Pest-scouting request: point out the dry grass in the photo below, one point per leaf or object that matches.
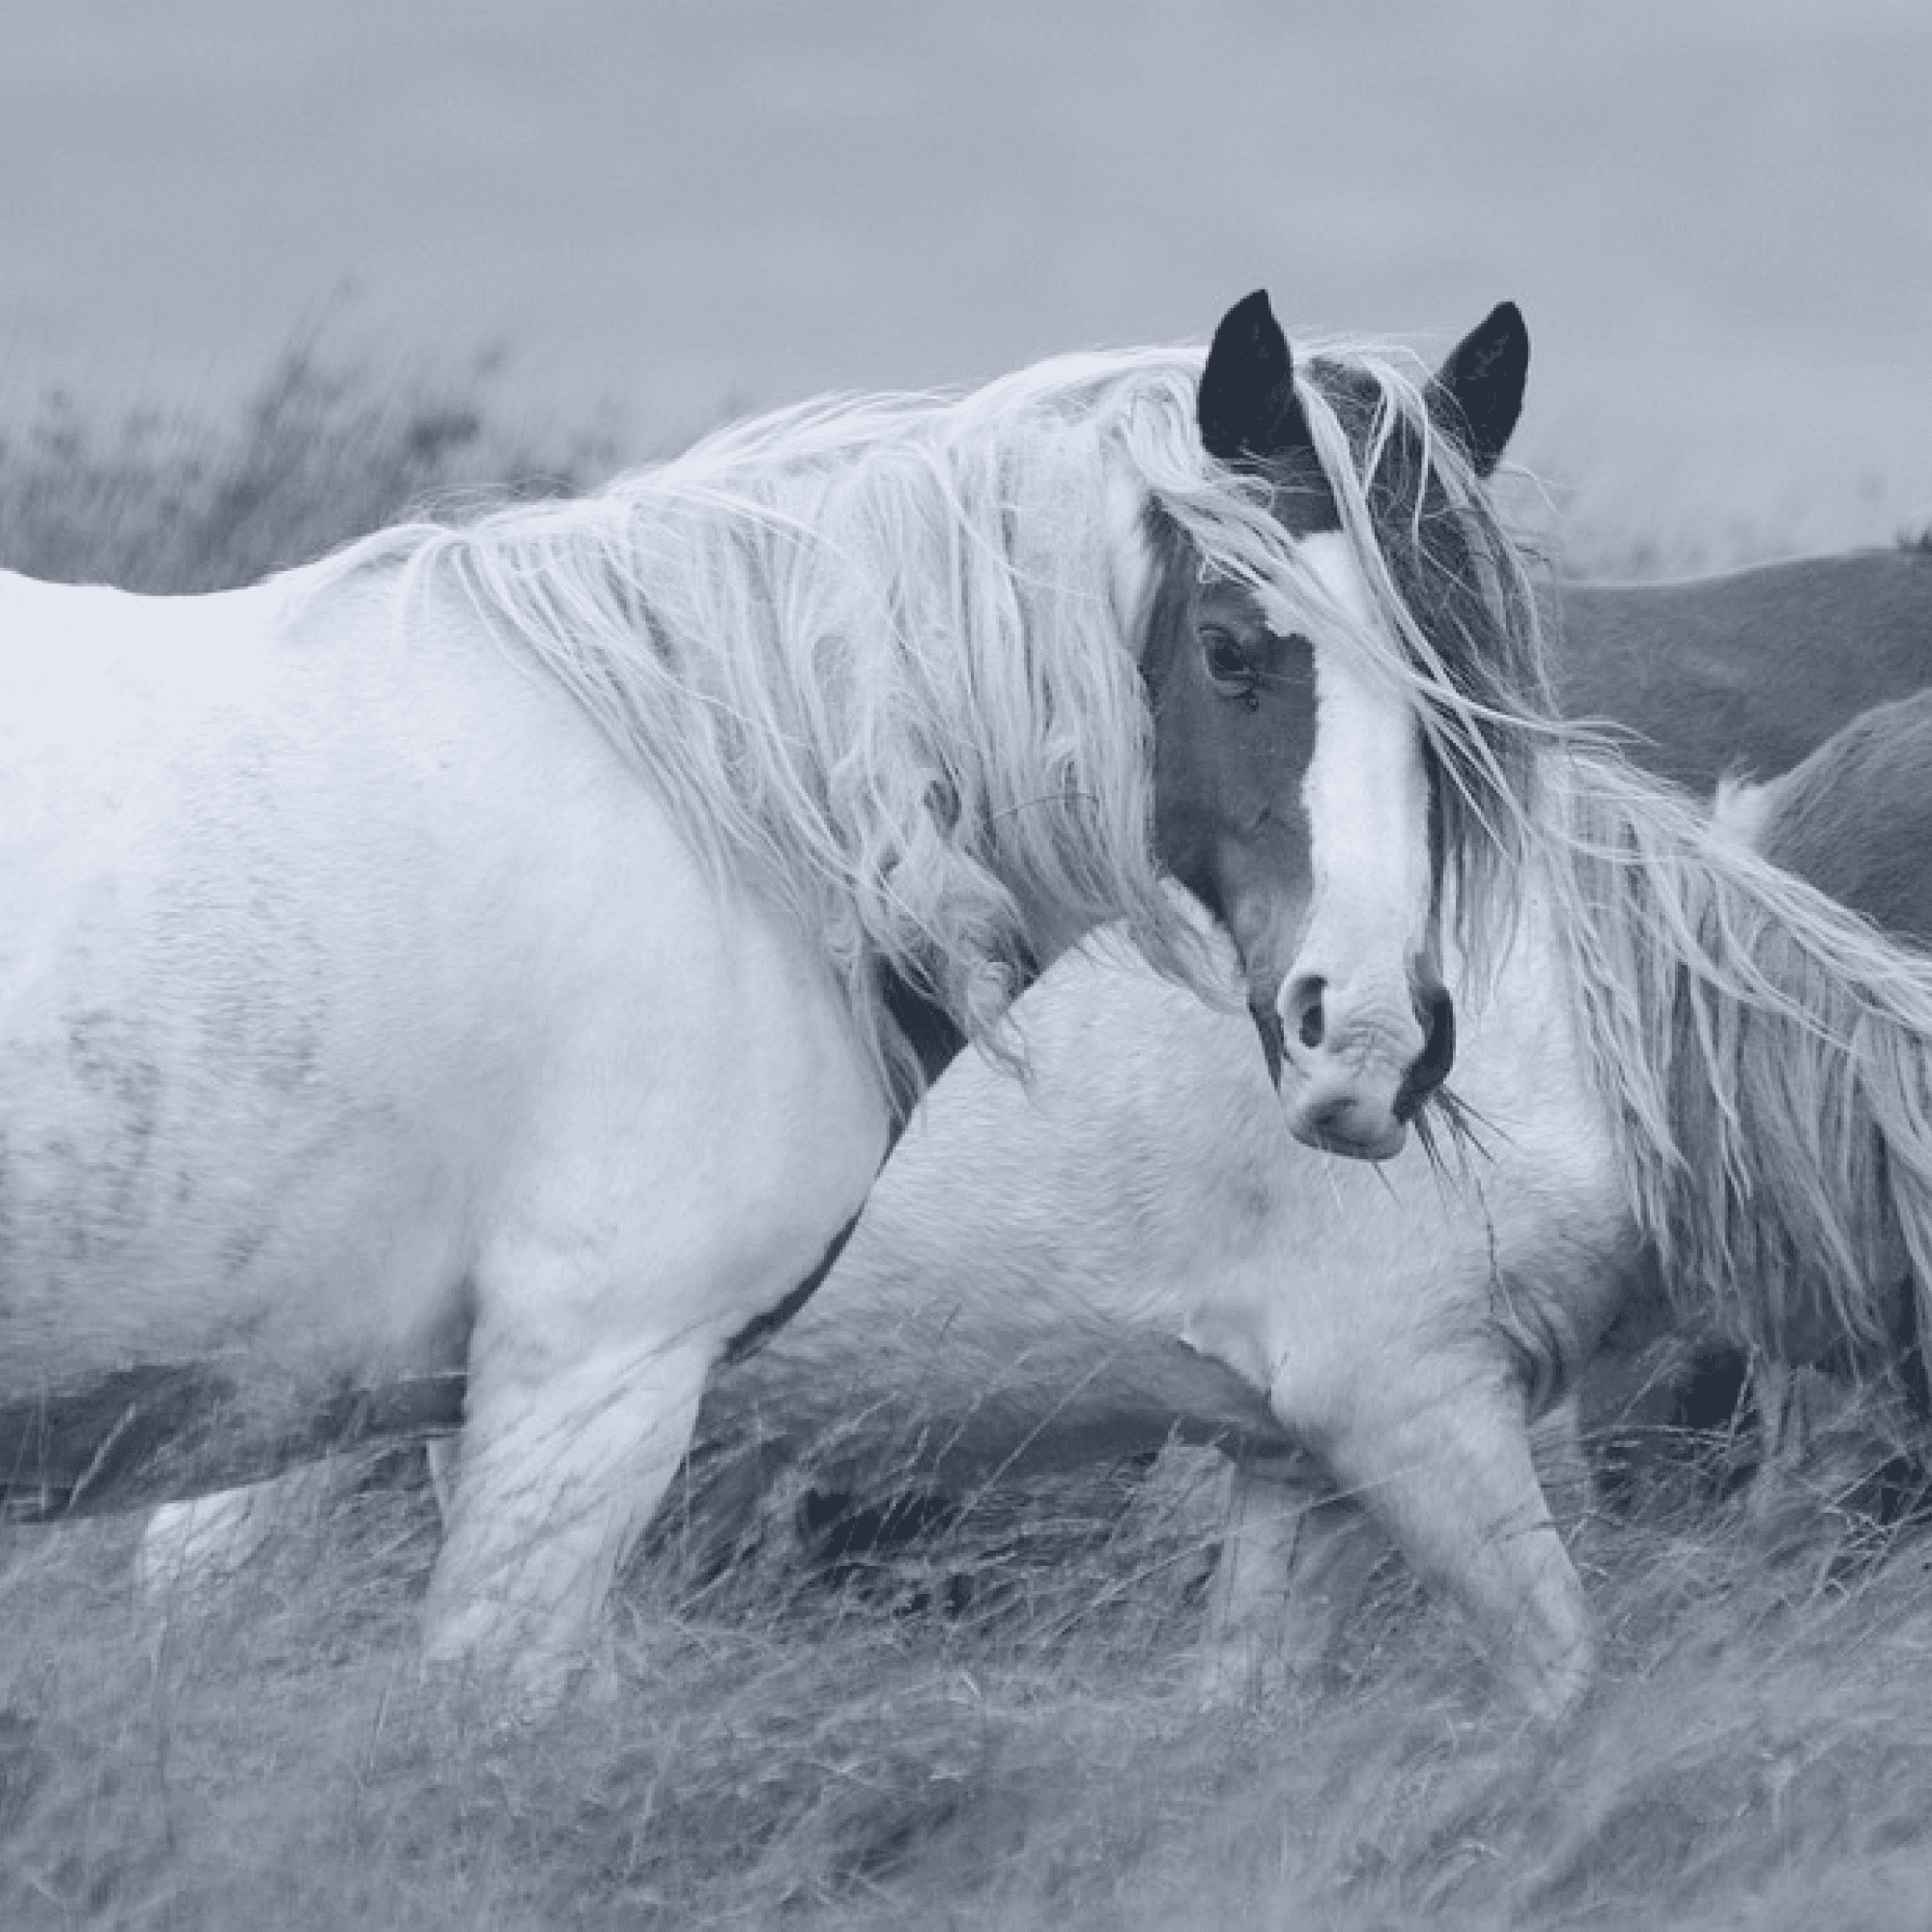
(327, 445)
(991, 1728)
(869, 1749)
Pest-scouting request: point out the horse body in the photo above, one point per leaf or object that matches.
(334, 1068)
(1074, 1254)
(1748, 671)
(184, 950)
(354, 1069)
(337, 896)
(1852, 817)
(1142, 1252)
(1021, 1268)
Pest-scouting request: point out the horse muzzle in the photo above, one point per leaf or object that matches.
(1354, 1074)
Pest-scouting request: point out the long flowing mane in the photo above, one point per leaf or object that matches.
(1767, 1060)
(873, 654)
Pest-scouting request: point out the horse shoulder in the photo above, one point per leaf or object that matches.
(702, 1119)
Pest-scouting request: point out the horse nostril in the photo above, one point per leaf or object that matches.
(1304, 1006)
(1438, 1016)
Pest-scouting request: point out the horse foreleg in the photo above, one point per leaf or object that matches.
(1294, 1561)
(1563, 1465)
(558, 1475)
(1452, 1481)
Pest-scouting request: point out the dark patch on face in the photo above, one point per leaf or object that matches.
(1236, 727)
(1234, 710)
(1233, 704)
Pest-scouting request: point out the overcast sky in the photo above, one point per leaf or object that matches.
(1716, 215)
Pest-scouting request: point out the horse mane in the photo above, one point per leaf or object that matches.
(1766, 1060)
(869, 652)
(1452, 583)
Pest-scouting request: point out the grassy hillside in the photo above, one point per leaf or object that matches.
(995, 1728)
(327, 445)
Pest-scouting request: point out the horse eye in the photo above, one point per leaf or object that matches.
(1227, 663)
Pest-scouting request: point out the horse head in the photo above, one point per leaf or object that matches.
(1297, 794)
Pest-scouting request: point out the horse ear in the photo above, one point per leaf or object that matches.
(1247, 407)
(1477, 393)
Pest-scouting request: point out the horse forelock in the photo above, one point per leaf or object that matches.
(1765, 1059)
(1450, 585)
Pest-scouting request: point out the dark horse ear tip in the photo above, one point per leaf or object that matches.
(1249, 326)
(1506, 319)
(1478, 392)
(1247, 407)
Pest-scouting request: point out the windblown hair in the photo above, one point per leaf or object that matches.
(1766, 1055)
(1452, 584)
(871, 654)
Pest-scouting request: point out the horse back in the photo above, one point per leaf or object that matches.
(1854, 818)
(1748, 671)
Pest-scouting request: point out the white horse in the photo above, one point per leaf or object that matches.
(1694, 1076)
(490, 966)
